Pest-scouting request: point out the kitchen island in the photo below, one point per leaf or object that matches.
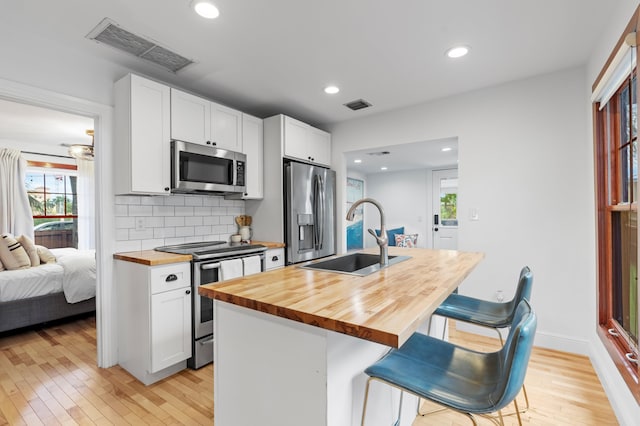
(291, 344)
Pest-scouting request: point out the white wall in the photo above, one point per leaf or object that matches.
(523, 165)
(406, 198)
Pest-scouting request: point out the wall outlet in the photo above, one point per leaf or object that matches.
(140, 224)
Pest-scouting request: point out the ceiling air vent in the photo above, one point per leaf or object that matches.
(110, 33)
(358, 104)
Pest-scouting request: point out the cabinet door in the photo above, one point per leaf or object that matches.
(320, 146)
(252, 144)
(190, 117)
(296, 135)
(170, 328)
(226, 127)
(150, 161)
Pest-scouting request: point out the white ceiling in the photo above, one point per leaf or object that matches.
(275, 56)
(418, 155)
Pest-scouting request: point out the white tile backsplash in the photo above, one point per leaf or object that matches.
(174, 219)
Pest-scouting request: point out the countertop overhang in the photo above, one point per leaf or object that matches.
(385, 307)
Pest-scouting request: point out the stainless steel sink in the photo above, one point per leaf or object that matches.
(360, 264)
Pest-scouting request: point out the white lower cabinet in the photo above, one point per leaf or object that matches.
(274, 258)
(154, 319)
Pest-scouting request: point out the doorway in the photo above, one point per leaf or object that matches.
(104, 224)
(445, 209)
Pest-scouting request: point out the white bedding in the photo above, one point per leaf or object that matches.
(32, 282)
(74, 273)
(79, 277)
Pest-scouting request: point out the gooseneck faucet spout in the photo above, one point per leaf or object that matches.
(382, 241)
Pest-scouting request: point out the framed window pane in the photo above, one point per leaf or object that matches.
(449, 202)
(625, 276)
(55, 204)
(34, 182)
(624, 115)
(36, 200)
(624, 175)
(55, 183)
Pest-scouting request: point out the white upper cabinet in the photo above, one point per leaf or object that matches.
(142, 118)
(320, 146)
(253, 147)
(226, 127)
(303, 142)
(190, 117)
(198, 120)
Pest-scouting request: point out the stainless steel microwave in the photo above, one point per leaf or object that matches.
(199, 168)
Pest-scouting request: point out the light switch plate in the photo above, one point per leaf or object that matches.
(474, 214)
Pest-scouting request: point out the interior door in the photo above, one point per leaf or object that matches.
(445, 209)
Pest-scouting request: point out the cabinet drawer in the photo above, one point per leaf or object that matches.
(274, 258)
(170, 277)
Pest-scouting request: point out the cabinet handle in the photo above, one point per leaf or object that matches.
(274, 259)
(171, 277)
(208, 142)
(166, 188)
(214, 143)
(188, 292)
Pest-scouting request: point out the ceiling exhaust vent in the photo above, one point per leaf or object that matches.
(110, 33)
(358, 104)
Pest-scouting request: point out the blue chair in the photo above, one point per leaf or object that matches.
(461, 379)
(489, 314)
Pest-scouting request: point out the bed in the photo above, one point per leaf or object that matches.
(50, 291)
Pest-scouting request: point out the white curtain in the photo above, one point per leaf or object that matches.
(15, 212)
(86, 205)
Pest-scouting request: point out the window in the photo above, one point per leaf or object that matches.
(53, 198)
(616, 163)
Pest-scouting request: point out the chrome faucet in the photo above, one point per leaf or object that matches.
(382, 241)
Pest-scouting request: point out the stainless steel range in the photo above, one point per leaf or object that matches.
(209, 258)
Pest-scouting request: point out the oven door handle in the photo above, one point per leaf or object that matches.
(208, 266)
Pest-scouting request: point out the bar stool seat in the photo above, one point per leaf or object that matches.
(464, 380)
(485, 313)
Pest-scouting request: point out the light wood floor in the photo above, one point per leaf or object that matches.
(49, 376)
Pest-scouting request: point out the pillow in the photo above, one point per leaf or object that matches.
(408, 240)
(30, 248)
(1, 266)
(12, 254)
(391, 234)
(45, 255)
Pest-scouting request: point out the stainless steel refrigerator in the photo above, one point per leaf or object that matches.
(310, 212)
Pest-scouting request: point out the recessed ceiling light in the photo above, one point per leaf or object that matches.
(446, 148)
(331, 90)
(457, 51)
(357, 161)
(383, 168)
(205, 8)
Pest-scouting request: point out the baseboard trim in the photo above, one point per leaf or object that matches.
(543, 339)
(622, 401)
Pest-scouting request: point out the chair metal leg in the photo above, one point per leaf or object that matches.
(366, 398)
(397, 423)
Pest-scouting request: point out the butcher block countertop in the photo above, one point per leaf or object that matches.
(153, 258)
(386, 306)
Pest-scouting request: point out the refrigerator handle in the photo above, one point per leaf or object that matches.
(322, 213)
(316, 211)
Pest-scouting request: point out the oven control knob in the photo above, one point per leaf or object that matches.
(188, 292)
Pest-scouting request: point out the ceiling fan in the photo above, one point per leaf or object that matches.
(81, 151)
